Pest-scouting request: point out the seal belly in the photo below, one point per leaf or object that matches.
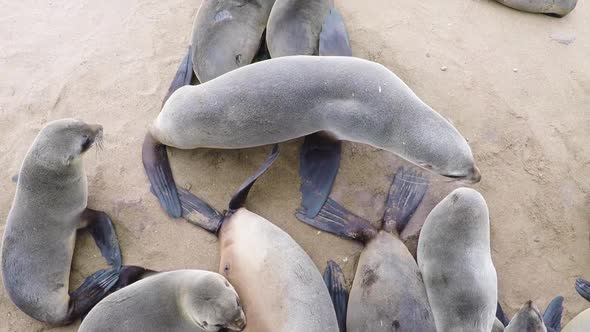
(279, 286)
(388, 293)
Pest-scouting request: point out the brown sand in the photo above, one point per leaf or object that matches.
(520, 97)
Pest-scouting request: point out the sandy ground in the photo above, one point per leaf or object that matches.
(520, 97)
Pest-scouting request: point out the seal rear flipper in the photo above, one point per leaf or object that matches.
(333, 37)
(501, 315)
(405, 195)
(583, 288)
(184, 75)
(239, 198)
(92, 290)
(319, 162)
(198, 212)
(334, 279)
(335, 219)
(157, 168)
(101, 227)
(553, 313)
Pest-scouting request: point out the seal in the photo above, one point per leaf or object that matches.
(460, 279)
(555, 8)
(279, 285)
(387, 292)
(374, 108)
(580, 323)
(498, 326)
(529, 318)
(182, 300)
(49, 206)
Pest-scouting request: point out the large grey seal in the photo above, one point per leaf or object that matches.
(558, 8)
(280, 287)
(580, 323)
(50, 205)
(387, 292)
(182, 300)
(456, 263)
(303, 95)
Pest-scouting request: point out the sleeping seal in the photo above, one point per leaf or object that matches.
(350, 98)
(456, 263)
(580, 323)
(280, 287)
(50, 205)
(183, 300)
(557, 8)
(387, 292)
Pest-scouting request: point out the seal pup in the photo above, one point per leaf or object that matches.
(387, 292)
(580, 323)
(49, 206)
(304, 95)
(280, 287)
(557, 8)
(460, 278)
(583, 288)
(182, 300)
(529, 318)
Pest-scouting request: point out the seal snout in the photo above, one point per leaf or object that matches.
(239, 324)
(94, 135)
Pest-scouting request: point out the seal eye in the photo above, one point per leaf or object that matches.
(86, 143)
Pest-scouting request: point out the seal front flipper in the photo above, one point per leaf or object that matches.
(92, 290)
(184, 75)
(583, 288)
(553, 313)
(334, 279)
(157, 168)
(100, 226)
(405, 195)
(501, 315)
(318, 165)
(198, 212)
(333, 37)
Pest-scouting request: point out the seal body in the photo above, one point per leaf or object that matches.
(182, 300)
(553, 7)
(40, 231)
(280, 287)
(294, 27)
(351, 98)
(386, 295)
(456, 264)
(579, 323)
(227, 34)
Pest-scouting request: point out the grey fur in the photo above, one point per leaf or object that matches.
(353, 99)
(528, 319)
(227, 34)
(183, 300)
(580, 323)
(294, 27)
(555, 7)
(40, 232)
(455, 260)
(498, 326)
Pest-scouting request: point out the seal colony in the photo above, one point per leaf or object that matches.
(376, 108)
(49, 207)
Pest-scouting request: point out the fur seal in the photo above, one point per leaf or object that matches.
(460, 278)
(182, 300)
(529, 318)
(387, 292)
(555, 8)
(280, 287)
(303, 95)
(50, 205)
(580, 323)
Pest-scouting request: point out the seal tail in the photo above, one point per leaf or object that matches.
(405, 195)
(318, 166)
(334, 37)
(184, 75)
(336, 283)
(158, 170)
(583, 288)
(553, 313)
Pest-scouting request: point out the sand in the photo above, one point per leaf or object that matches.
(516, 85)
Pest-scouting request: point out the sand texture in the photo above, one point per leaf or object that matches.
(517, 85)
